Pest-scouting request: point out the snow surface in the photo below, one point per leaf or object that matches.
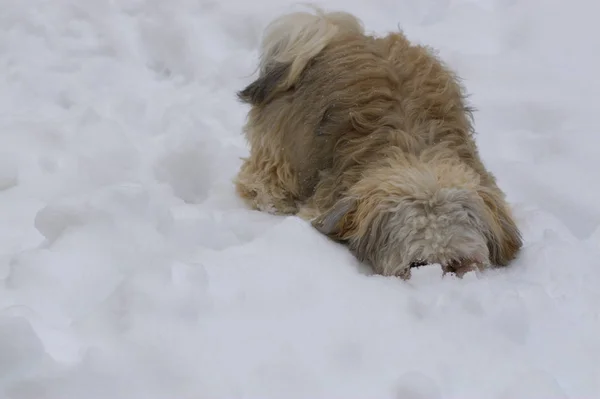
(129, 269)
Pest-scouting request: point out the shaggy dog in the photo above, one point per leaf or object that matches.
(370, 139)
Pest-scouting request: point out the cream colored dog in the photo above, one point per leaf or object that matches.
(370, 139)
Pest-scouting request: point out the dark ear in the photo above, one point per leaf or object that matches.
(259, 91)
(504, 237)
(336, 221)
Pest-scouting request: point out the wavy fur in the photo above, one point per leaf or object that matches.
(371, 139)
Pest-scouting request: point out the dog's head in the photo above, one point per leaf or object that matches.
(411, 213)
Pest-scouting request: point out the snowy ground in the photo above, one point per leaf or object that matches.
(129, 269)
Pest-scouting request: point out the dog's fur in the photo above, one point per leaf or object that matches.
(371, 139)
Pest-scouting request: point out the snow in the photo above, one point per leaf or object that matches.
(129, 268)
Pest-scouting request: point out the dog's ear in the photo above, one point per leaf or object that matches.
(259, 91)
(337, 220)
(504, 237)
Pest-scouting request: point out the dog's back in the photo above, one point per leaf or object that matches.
(344, 102)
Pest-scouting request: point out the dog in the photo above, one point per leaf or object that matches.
(371, 140)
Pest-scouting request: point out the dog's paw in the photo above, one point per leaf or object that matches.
(264, 197)
(266, 203)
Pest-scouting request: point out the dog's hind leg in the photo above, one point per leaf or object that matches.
(262, 186)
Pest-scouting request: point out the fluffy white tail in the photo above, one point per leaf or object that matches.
(295, 38)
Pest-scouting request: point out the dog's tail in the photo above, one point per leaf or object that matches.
(288, 44)
(294, 39)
